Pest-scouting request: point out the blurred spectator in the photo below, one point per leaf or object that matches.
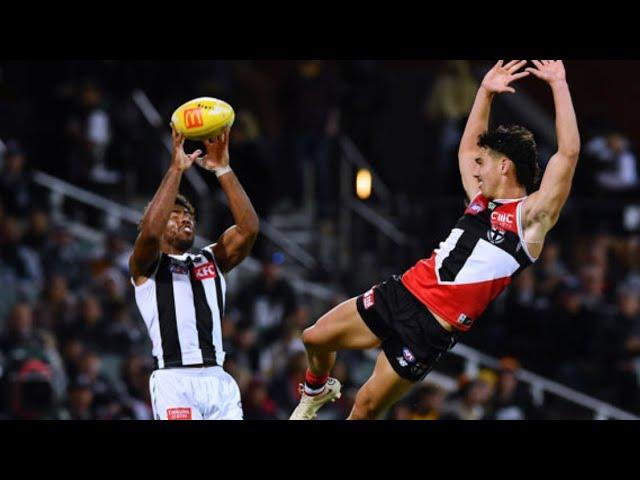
(470, 401)
(63, 256)
(22, 264)
(550, 270)
(620, 352)
(89, 325)
(575, 329)
(20, 333)
(121, 334)
(446, 109)
(250, 162)
(267, 301)
(80, 400)
(37, 232)
(429, 401)
(105, 394)
(15, 181)
(617, 165)
(31, 392)
(257, 404)
(135, 373)
(90, 130)
(285, 387)
(274, 358)
(56, 309)
(114, 254)
(512, 400)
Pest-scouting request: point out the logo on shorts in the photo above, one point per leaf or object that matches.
(179, 413)
(402, 361)
(369, 299)
(419, 369)
(464, 320)
(408, 356)
(208, 270)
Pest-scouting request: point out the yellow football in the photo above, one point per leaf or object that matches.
(203, 118)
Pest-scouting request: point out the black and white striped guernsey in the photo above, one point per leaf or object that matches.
(182, 305)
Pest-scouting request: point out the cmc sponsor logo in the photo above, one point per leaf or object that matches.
(502, 220)
(208, 270)
(193, 118)
(179, 413)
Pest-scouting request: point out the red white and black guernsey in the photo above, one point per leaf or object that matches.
(484, 251)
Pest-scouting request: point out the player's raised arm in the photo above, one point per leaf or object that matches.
(497, 80)
(236, 242)
(147, 247)
(544, 205)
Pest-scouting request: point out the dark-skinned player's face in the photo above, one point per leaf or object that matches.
(180, 231)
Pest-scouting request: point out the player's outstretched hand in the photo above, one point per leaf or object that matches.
(498, 79)
(217, 152)
(178, 157)
(551, 71)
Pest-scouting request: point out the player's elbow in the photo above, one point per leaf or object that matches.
(571, 151)
(253, 227)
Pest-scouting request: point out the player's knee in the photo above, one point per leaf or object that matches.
(364, 407)
(312, 338)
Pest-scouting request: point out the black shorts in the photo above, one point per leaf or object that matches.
(412, 339)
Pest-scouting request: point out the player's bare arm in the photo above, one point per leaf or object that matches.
(542, 209)
(147, 246)
(497, 80)
(236, 242)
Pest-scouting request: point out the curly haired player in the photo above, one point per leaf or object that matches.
(418, 316)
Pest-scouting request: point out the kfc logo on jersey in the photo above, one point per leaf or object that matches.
(179, 413)
(368, 299)
(501, 220)
(208, 270)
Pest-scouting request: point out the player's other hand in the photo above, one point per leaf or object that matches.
(551, 71)
(217, 155)
(498, 79)
(179, 158)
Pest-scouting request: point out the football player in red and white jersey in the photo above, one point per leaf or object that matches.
(418, 316)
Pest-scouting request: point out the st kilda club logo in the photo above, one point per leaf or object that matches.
(496, 235)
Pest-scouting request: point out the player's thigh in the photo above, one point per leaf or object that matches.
(341, 328)
(380, 392)
(170, 399)
(223, 395)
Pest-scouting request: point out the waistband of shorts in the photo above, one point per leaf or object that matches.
(193, 371)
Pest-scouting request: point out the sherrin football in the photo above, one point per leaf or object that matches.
(203, 118)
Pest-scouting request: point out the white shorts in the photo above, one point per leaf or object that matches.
(205, 393)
